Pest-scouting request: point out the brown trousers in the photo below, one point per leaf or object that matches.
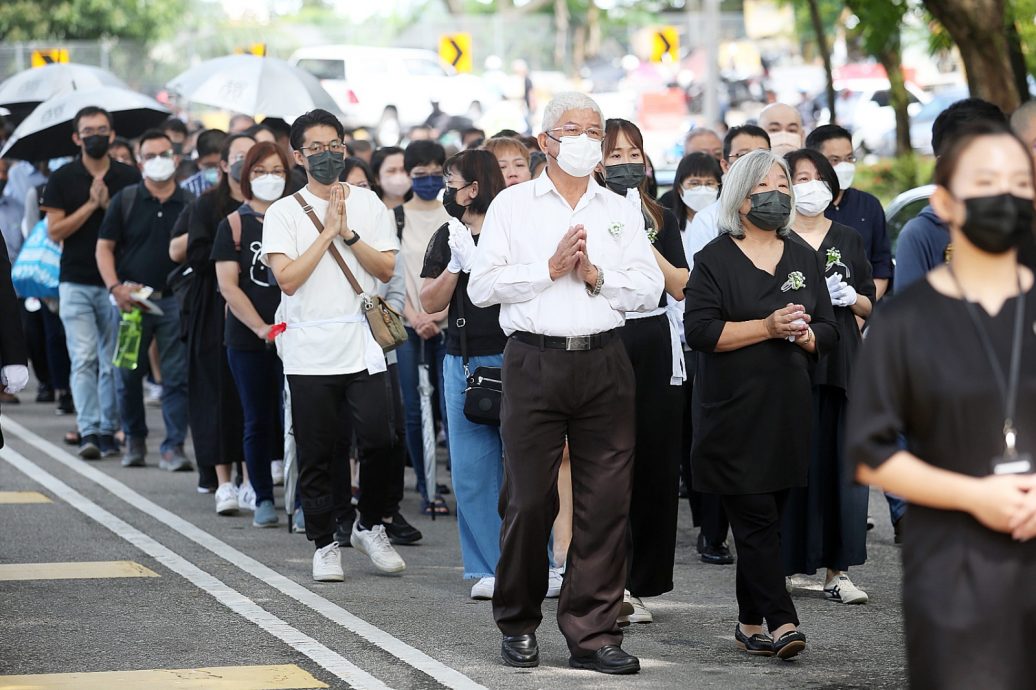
(588, 396)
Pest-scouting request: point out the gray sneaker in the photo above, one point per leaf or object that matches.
(136, 449)
(265, 515)
(175, 461)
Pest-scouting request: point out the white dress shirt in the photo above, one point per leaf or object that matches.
(521, 232)
(702, 229)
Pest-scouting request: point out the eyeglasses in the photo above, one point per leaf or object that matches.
(317, 148)
(595, 133)
(835, 160)
(259, 172)
(90, 131)
(151, 156)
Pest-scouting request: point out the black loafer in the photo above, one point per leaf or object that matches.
(608, 659)
(759, 644)
(714, 554)
(520, 651)
(400, 531)
(789, 644)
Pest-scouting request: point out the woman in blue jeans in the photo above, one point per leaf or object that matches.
(253, 296)
(473, 179)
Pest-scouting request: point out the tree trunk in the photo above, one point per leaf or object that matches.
(825, 55)
(593, 24)
(892, 60)
(560, 33)
(977, 27)
(1014, 47)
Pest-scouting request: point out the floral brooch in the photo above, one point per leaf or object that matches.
(796, 281)
(616, 228)
(834, 258)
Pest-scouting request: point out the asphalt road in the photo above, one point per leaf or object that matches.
(230, 595)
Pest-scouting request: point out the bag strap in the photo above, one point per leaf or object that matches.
(331, 248)
(129, 197)
(462, 326)
(400, 214)
(235, 229)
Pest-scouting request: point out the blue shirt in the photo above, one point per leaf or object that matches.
(863, 212)
(921, 247)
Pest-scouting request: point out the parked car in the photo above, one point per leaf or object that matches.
(389, 90)
(864, 108)
(905, 208)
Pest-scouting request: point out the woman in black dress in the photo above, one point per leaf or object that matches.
(825, 522)
(938, 366)
(653, 344)
(758, 311)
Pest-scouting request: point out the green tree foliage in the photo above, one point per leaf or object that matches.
(26, 20)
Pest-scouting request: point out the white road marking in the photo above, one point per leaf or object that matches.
(231, 598)
(411, 656)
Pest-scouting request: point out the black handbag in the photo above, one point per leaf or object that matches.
(484, 390)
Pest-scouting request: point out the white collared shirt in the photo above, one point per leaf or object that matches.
(703, 228)
(521, 232)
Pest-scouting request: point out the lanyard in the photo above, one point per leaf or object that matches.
(1008, 387)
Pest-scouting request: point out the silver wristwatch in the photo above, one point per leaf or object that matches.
(596, 289)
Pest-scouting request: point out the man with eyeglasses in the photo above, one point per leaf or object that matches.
(75, 200)
(565, 259)
(133, 251)
(853, 207)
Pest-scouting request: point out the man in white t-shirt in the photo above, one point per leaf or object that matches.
(330, 357)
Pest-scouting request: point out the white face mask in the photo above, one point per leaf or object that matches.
(159, 169)
(579, 155)
(697, 198)
(268, 187)
(395, 185)
(782, 142)
(845, 172)
(812, 198)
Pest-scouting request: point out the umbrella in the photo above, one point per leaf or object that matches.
(47, 132)
(424, 387)
(25, 90)
(291, 464)
(253, 85)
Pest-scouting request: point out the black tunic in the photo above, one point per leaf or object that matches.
(753, 431)
(969, 593)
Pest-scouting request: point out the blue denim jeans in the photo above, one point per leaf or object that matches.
(409, 357)
(476, 453)
(172, 356)
(259, 378)
(90, 335)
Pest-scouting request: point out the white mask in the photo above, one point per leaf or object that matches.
(697, 198)
(782, 142)
(579, 155)
(159, 168)
(395, 185)
(268, 187)
(812, 198)
(845, 172)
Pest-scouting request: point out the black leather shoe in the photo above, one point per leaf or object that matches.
(400, 531)
(714, 554)
(520, 651)
(608, 659)
(789, 644)
(758, 644)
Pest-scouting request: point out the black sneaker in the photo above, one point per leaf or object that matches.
(400, 531)
(344, 531)
(65, 404)
(45, 394)
(108, 445)
(89, 448)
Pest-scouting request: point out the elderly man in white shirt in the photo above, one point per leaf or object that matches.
(565, 259)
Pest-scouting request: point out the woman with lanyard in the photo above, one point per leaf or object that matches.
(252, 297)
(653, 344)
(474, 339)
(951, 365)
(825, 522)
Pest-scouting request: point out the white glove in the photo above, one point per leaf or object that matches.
(462, 248)
(14, 377)
(842, 294)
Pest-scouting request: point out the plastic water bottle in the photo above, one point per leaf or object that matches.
(127, 350)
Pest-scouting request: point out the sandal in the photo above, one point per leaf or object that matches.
(71, 438)
(438, 507)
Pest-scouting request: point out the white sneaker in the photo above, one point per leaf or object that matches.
(246, 497)
(327, 564)
(483, 589)
(374, 543)
(277, 472)
(640, 612)
(152, 394)
(555, 577)
(842, 590)
(226, 499)
(626, 610)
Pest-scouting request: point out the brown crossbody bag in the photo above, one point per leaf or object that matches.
(386, 323)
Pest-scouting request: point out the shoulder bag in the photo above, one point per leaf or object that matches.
(484, 390)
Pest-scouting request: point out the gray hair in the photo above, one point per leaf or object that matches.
(1023, 119)
(565, 101)
(739, 183)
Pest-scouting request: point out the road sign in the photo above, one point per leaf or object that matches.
(252, 49)
(665, 44)
(42, 58)
(456, 50)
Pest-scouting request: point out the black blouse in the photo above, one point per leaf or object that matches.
(669, 244)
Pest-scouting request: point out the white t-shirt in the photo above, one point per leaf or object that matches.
(327, 333)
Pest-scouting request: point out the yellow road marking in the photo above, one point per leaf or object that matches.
(284, 677)
(73, 571)
(23, 497)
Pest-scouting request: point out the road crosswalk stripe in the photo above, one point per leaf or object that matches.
(17, 497)
(279, 677)
(82, 570)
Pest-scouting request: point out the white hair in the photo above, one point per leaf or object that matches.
(739, 183)
(564, 102)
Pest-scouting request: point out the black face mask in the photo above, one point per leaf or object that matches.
(325, 167)
(770, 210)
(624, 176)
(237, 167)
(96, 145)
(449, 202)
(997, 224)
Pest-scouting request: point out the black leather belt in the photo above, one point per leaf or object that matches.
(571, 343)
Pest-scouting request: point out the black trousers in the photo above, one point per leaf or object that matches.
(317, 407)
(755, 520)
(706, 509)
(588, 396)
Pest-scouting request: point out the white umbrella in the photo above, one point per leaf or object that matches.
(424, 387)
(28, 88)
(47, 132)
(291, 463)
(253, 85)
